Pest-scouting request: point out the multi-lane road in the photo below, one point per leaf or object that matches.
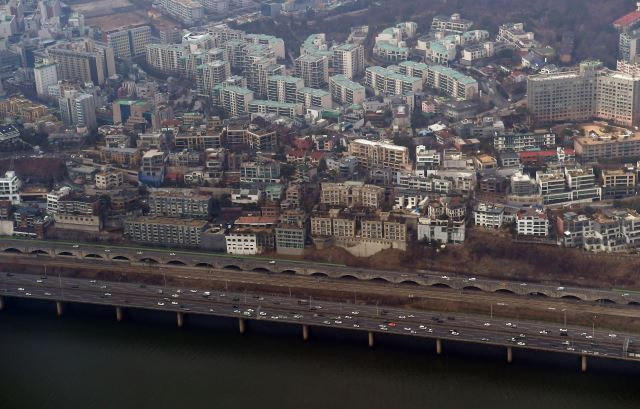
(311, 312)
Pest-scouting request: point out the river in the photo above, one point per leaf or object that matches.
(86, 359)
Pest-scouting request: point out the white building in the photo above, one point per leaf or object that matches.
(532, 223)
(45, 75)
(54, 197)
(242, 243)
(488, 215)
(427, 158)
(9, 186)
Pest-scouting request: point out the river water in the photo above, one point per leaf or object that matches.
(86, 359)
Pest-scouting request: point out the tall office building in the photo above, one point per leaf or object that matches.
(590, 92)
(128, 42)
(45, 74)
(313, 69)
(348, 60)
(83, 61)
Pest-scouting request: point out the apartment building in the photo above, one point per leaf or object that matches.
(524, 141)
(514, 35)
(189, 12)
(179, 203)
(210, 74)
(488, 215)
(445, 80)
(275, 44)
(290, 239)
(9, 187)
(348, 60)
(618, 183)
(165, 231)
(378, 154)
(264, 107)
(452, 23)
(109, 179)
(83, 61)
(198, 138)
(532, 222)
(152, 167)
(234, 100)
(313, 98)
(390, 52)
(166, 58)
(389, 82)
(313, 69)
(45, 74)
(589, 92)
(351, 194)
(345, 91)
(128, 42)
(443, 231)
(597, 146)
(283, 88)
(258, 139)
(427, 158)
(262, 171)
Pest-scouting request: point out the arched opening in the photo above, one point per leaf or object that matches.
(380, 280)
(409, 282)
(503, 291)
(319, 275)
(348, 277)
(570, 297)
(261, 270)
(120, 258)
(633, 303)
(207, 265)
(288, 271)
(471, 288)
(176, 263)
(232, 267)
(93, 255)
(440, 285)
(66, 254)
(605, 301)
(38, 251)
(149, 260)
(537, 294)
(12, 250)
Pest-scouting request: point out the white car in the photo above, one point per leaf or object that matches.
(487, 324)
(160, 303)
(174, 302)
(75, 246)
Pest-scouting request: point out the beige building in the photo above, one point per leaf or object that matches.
(83, 61)
(374, 154)
(590, 92)
(109, 179)
(352, 194)
(617, 183)
(606, 146)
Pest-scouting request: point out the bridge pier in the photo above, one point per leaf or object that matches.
(438, 346)
(118, 313)
(59, 308)
(1, 303)
(180, 318)
(241, 325)
(305, 332)
(583, 363)
(371, 340)
(509, 355)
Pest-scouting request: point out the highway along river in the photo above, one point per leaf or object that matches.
(85, 359)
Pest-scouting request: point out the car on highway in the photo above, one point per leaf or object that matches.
(391, 324)
(38, 281)
(543, 332)
(487, 324)
(20, 289)
(160, 303)
(262, 313)
(27, 294)
(174, 302)
(356, 325)
(75, 246)
(521, 343)
(326, 322)
(107, 294)
(47, 294)
(454, 332)
(172, 254)
(612, 335)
